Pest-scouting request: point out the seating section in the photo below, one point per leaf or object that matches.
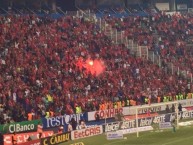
(43, 65)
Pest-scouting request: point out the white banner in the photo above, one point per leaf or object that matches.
(114, 135)
(104, 114)
(182, 7)
(165, 125)
(132, 110)
(91, 131)
(133, 130)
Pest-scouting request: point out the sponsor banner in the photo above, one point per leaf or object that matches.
(165, 125)
(132, 110)
(101, 122)
(186, 103)
(187, 123)
(23, 137)
(133, 130)
(33, 142)
(186, 114)
(182, 7)
(56, 139)
(114, 126)
(62, 120)
(109, 113)
(24, 126)
(114, 135)
(165, 118)
(83, 133)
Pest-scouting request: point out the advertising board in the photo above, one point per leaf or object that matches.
(133, 130)
(24, 126)
(60, 120)
(109, 113)
(83, 133)
(56, 139)
(23, 137)
(114, 135)
(33, 142)
(142, 122)
(165, 125)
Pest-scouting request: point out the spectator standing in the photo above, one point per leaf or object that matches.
(74, 124)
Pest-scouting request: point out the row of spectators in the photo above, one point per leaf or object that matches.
(39, 69)
(169, 36)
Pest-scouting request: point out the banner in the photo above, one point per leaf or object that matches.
(24, 126)
(56, 139)
(100, 122)
(165, 125)
(83, 133)
(142, 122)
(23, 137)
(110, 113)
(60, 120)
(33, 142)
(133, 130)
(114, 135)
(104, 114)
(182, 7)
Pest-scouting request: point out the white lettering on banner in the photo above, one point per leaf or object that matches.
(116, 125)
(109, 113)
(114, 135)
(111, 127)
(165, 125)
(61, 120)
(187, 114)
(128, 124)
(23, 137)
(133, 130)
(145, 122)
(153, 109)
(20, 128)
(92, 131)
(132, 110)
(158, 119)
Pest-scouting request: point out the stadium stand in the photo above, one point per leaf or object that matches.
(40, 69)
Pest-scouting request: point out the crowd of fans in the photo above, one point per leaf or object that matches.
(170, 36)
(39, 68)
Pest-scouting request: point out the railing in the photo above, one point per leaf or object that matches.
(119, 37)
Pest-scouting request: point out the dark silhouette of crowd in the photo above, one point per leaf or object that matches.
(39, 71)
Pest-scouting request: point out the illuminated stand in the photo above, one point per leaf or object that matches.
(175, 103)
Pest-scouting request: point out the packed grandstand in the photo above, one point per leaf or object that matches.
(51, 65)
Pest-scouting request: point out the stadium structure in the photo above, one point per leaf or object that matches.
(117, 66)
(97, 6)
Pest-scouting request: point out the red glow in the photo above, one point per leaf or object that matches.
(90, 62)
(95, 67)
